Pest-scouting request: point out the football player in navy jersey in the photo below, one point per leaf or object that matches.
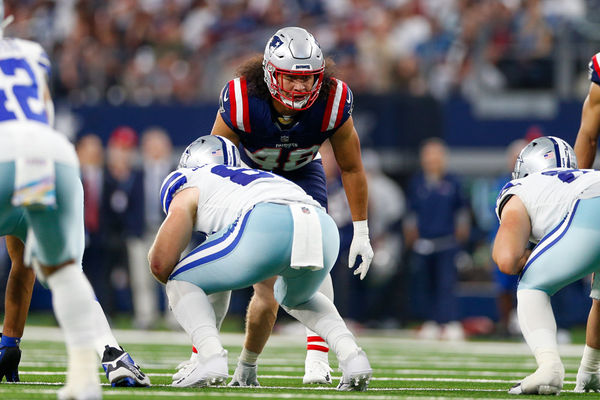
(586, 145)
(279, 110)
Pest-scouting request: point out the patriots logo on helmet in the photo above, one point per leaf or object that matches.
(275, 43)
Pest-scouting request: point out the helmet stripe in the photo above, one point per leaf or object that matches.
(225, 149)
(556, 150)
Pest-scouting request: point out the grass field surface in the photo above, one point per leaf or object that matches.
(403, 368)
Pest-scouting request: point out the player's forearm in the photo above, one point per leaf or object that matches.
(172, 238)
(355, 186)
(585, 149)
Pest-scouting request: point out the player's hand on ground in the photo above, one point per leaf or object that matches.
(9, 363)
(244, 375)
(360, 247)
(587, 382)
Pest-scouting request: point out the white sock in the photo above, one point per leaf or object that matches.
(538, 325)
(316, 347)
(220, 305)
(194, 313)
(105, 335)
(590, 361)
(320, 315)
(73, 303)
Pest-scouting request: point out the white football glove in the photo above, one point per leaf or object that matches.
(244, 375)
(587, 382)
(361, 246)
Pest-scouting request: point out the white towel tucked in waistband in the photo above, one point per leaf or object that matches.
(307, 247)
(35, 184)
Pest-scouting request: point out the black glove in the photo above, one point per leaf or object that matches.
(9, 363)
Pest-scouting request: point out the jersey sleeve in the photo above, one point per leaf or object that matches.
(594, 69)
(510, 189)
(340, 104)
(170, 187)
(233, 105)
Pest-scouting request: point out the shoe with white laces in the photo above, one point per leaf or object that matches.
(356, 372)
(121, 370)
(244, 375)
(587, 382)
(547, 379)
(204, 372)
(316, 372)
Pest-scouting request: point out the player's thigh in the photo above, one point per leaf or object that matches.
(256, 247)
(297, 286)
(12, 219)
(568, 254)
(59, 231)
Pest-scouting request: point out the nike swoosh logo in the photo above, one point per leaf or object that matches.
(226, 96)
(348, 100)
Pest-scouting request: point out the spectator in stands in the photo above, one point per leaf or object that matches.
(123, 203)
(439, 221)
(91, 159)
(157, 163)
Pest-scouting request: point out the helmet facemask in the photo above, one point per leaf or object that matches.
(293, 99)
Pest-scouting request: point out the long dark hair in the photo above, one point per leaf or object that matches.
(252, 70)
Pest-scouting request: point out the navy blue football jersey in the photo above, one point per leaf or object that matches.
(274, 143)
(594, 67)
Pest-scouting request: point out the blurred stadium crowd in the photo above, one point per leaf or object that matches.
(144, 51)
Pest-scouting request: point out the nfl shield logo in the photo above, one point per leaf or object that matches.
(285, 139)
(305, 210)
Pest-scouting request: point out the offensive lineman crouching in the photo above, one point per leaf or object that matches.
(259, 226)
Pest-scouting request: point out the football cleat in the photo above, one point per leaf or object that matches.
(356, 372)
(587, 382)
(547, 379)
(244, 375)
(316, 372)
(9, 363)
(182, 365)
(200, 373)
(121, 370)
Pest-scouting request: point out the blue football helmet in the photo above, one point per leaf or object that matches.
(544, 153)
(210, 149)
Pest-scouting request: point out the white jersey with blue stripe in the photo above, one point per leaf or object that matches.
(228, 192)
(549, 195)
